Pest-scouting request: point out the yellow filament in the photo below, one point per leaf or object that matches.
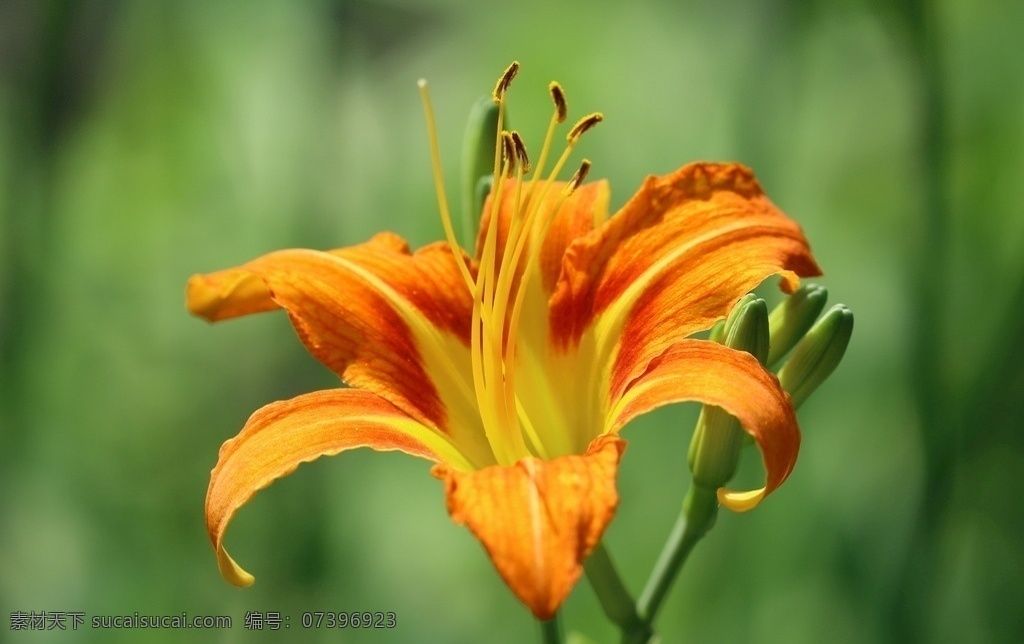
(561, 443)
(490, 378)
(481, 340)
(506, 272)
(502, 294)
(536, 200)
(511, 260)
(505, 284)
(485, 338)
(494, 327)
(545, 149)
(558, 96)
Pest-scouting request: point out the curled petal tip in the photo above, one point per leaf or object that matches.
(227, 294)
(199, 298)
(740, 501)
(231, 571)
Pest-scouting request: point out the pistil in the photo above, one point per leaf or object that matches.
(497, 297)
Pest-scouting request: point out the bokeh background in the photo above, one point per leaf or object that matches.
(141, 142)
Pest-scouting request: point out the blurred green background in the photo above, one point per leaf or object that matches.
(141, 142)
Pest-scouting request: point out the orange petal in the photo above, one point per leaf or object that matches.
(672, 261)
(282, 435)
(236, 292)
(384, 319)
(714, 374)
(539, 520)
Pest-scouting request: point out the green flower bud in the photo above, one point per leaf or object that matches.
(717, 440)
(477, 162)
(747, 328)
(792, 319)
(818, 354)
(718, 331)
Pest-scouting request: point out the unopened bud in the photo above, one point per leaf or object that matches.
(792, 319)
(477, 162)
(818, 354)
(746, 328)
(718, 331)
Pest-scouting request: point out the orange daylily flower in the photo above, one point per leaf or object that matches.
(513, 370)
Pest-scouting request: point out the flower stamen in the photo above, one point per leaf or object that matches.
(509, 154)
(522, 158)
(489, 375)
(532, 225)
(582, 126)
(499, 288)
(498, 96)
(561, 110)
(505, 81)
(558, 96)
(577, 178)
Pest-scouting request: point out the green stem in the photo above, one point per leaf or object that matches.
(614, 597)
(699, 511)
(551, 630)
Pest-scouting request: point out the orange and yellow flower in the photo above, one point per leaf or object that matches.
(513, 370)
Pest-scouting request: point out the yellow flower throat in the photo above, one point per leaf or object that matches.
(497, 296)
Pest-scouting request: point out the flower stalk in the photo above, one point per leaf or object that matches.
(613, 595)
(551, 630)
(713, 458)
(718, 438)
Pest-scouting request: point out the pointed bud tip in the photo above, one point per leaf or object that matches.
(793, 318)
(749, 329)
